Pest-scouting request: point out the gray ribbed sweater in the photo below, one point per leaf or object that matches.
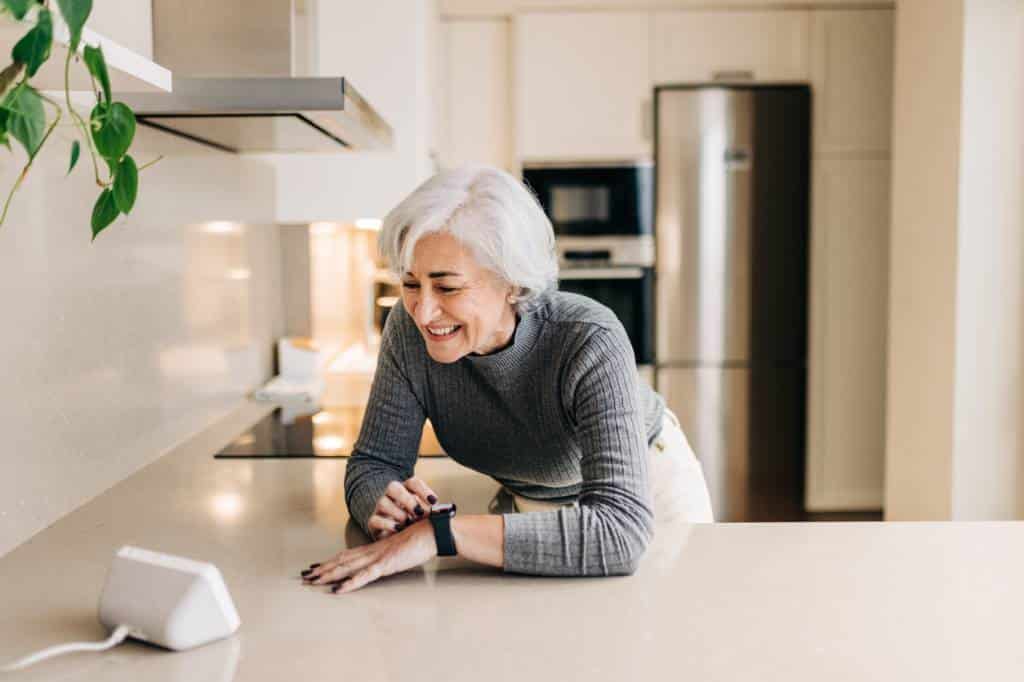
(558, 415)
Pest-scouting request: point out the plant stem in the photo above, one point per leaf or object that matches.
(31, 158)
(147, 165)
(86, 132)
(8, 75)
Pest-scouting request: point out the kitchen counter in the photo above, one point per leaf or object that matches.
(790, 602)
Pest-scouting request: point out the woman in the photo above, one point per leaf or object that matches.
(534, 387)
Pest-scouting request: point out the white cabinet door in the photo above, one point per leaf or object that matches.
(476, 107)
(691, 46)
(583, 86)
(852, 79)
(849, 313)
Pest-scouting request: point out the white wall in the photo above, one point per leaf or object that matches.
(387, 50)
(957, 263)
(114, 351)
(127, 23)
(988, 476)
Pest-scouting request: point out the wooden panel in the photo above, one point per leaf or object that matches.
(695, 46)
(847, 373)
(852, 77)
(496, 8)
(583, 86)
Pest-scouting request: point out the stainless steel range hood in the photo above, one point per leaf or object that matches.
(265, 114)
(241, 81)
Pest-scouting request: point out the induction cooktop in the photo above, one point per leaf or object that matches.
(329, 433)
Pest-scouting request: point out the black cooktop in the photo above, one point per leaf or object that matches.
(329, 434)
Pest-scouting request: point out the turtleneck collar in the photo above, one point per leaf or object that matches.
(528, 326)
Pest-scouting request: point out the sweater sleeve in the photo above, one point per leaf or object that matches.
(389, 437)
(608, 532)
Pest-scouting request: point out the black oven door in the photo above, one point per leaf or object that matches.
(588, 201)
(629, 292)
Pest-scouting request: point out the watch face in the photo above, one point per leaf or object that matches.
(443, 509)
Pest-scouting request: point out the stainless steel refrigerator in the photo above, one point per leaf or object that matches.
(731, 231)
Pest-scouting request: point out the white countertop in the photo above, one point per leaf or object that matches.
(841, 601)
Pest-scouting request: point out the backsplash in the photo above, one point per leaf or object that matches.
(115, 351)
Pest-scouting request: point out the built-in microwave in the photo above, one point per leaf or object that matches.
(596, 199)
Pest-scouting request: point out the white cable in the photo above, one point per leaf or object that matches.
(116, 637)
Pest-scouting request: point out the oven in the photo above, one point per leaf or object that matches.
(601, 213)
(628, 291)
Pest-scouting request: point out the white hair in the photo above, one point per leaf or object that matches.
(492, 214)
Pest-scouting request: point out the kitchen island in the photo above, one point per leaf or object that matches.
(840, 601)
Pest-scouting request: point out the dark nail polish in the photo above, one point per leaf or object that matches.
(432, 499)
(307, 572)
(313, 565)
(334, 590)
(419, 510)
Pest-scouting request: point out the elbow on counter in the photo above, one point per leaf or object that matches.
(631, 533)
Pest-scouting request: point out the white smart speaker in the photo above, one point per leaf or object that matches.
(167, 600)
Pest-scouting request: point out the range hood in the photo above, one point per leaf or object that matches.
(243, 81)
(269, 114)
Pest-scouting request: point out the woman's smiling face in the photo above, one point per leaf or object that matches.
(458, 306)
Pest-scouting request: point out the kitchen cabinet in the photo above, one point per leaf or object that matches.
(582, 86)
(847, 371)
(701, 46)
(851, 74)
(852, 80)
(476, 99)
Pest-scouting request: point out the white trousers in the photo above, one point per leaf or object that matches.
(677, 480)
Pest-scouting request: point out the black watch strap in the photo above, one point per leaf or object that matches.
(441, 518)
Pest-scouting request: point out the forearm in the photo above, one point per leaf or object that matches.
(480, 538)
(589, 540)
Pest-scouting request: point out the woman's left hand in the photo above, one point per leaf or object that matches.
(350, 569)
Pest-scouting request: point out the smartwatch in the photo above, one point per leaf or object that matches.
(441, 519)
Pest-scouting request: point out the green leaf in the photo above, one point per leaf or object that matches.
(75, 12)
(3, 128)
(76, 148)
(18, 7)
(97, 66)
(25, 117)
(34, 48)
(115, 131)
(126, 184)
(103, 213)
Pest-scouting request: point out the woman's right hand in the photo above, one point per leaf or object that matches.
(401, 505)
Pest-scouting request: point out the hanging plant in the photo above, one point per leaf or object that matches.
(110, 130)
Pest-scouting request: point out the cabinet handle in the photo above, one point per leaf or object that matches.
(732, 76)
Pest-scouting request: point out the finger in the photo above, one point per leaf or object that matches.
(315, 569)
(345, 570)
(312, 567)
(312, 573)
(379, 525)
(321, 568)
(388, 509)
(363, 577)
(404, 499)
(420, 488)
